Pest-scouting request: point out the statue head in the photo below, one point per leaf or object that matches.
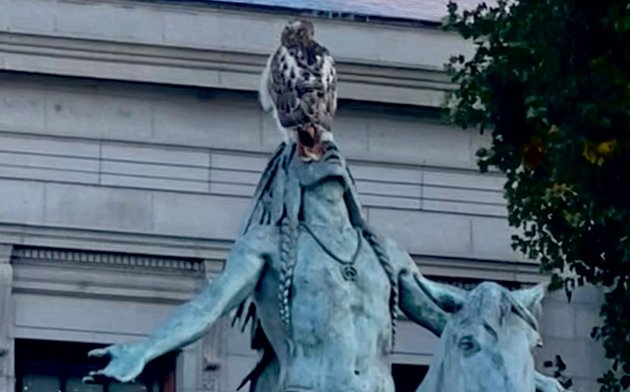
(330, 165)
(492, 332)
(278, 196)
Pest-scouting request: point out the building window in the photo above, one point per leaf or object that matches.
(46, 366)
(407, 378)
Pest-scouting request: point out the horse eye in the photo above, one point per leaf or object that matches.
(468, 345)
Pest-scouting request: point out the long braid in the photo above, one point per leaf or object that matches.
(288, 260)
(377, 244)
(288, 240)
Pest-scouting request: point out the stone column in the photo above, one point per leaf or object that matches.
(212, 343)
(7, 354)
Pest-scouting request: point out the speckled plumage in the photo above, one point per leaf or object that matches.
(299, 86)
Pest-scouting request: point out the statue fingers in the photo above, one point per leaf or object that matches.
(91, 377)
(115, 350)
(114, 371)
(99, 352)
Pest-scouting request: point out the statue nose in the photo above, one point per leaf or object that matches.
(328, 147)
(469, 345)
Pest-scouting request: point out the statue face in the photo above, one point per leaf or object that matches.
(329, 166)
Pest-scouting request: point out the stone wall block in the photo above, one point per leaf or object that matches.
(22, 108)
(110, 21)
(491, 238)
(204, 123)
(98, 207)
(21, 201)
(420, 143)
(425, 233)
(99, 116)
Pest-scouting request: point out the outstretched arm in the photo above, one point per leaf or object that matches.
(414, 302)
(190, 321)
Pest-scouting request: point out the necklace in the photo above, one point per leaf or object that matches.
(348, 271)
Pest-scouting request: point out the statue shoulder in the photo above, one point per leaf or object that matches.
(397, 254)
(261, 239)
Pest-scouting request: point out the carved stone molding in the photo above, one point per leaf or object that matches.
(115, 260)
(393, 83)
(469, 284)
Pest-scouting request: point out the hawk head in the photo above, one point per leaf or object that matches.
(298, 32)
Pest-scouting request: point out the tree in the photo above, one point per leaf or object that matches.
(550, 79)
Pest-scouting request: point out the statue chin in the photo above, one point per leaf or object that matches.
(330, 165)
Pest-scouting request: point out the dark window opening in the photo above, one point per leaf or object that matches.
(407, 378)
(47, 366)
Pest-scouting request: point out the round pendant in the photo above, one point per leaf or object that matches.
(349, 273)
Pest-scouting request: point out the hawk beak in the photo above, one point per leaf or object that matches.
(309, 144)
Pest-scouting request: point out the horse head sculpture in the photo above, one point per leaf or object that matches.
(487, 344)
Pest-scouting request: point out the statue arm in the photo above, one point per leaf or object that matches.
(414, 302)
(418, 307)
(190, 321)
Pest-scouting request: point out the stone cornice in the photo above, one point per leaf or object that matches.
(206, 68)
(107, 259)
(164, 248)
(108, 241)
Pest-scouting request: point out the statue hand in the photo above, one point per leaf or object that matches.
(126, 362)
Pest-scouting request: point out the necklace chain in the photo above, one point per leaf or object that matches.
(348, 271)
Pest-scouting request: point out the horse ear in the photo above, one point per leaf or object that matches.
(448, 298)
(531, 298)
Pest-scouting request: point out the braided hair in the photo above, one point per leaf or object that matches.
(377, 245)
(288, 260)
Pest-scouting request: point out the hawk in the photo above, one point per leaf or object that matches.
(299, 86)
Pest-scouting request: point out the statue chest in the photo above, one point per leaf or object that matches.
(340, 269)
(328, 310)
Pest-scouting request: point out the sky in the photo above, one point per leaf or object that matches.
(425, 10)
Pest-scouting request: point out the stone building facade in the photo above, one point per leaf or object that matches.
(131, 140)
